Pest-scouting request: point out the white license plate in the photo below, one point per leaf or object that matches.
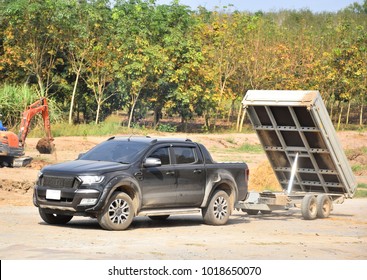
(53, 194)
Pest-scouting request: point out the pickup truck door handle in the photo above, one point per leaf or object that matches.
(197, 171)
(170, 173)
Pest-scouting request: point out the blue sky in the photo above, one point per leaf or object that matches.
(270, 5)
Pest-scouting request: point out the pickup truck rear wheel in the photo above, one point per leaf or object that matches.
(217, 211)
(54, 219)
(118, 213)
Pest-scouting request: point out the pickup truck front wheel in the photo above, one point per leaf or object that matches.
(118, 213)
(217, 211)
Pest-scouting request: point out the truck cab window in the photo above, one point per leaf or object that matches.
(162, 154)
(184, 155)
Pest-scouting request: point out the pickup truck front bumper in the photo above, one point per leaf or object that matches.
(67, 201)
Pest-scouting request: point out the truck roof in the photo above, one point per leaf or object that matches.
(148, 139)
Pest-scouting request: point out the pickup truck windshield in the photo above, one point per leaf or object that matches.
(116, 151)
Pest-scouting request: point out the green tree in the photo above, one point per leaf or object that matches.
(32, 39)
(100, 53)
(78, 33)
(135, 51)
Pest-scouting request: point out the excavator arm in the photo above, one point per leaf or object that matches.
(40, 106)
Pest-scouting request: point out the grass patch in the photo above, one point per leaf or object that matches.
(360, 194)
(231, 140)
(111, 126)
(361, 191)
(359, 168)
(351, 153)
(354, 127)
(248, 148)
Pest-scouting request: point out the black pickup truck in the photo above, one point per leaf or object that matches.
(124, 177)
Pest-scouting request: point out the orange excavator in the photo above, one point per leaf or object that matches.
(12, 145)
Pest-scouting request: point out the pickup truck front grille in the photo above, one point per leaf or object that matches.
(59, 182)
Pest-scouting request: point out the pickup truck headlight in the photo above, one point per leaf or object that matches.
(39, 178)
(90, 179)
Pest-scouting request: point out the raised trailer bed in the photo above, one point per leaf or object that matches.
(303, 149)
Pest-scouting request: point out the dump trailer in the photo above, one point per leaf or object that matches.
(301, 144)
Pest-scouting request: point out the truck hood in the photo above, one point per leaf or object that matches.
(76, 167)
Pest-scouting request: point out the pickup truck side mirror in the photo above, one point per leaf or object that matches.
(152, 162)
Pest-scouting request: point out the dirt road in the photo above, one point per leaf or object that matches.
(281, 235)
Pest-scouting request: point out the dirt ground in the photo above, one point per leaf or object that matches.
(281, 235)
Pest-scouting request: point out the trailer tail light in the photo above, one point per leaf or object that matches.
(247, 174)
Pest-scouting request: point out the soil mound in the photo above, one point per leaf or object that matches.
(16, 186)
(263, 178)
(358, 160)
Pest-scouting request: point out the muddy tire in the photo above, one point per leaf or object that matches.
(309, 207)
(159, 218)
(324, 206)
(118, 212)
(54, 219)
(218, 210)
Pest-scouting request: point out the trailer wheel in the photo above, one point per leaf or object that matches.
(324, 206)
(218, 210)
(309, 207)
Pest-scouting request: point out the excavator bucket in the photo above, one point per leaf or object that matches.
(45, 146)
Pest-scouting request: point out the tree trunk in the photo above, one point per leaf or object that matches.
(348, 113)
(340, 116)
(73, 97)
(98, 109)
(222, 87)
(40, 84)
(230, 112)
(238, 118)
(207, 123)
(131, 113)
(361, 115)
(77, 113)
(242, 119)
(157, 117)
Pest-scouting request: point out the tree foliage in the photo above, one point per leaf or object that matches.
(96, 56)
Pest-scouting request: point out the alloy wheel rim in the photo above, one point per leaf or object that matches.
(220, 208)
(119, 211)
